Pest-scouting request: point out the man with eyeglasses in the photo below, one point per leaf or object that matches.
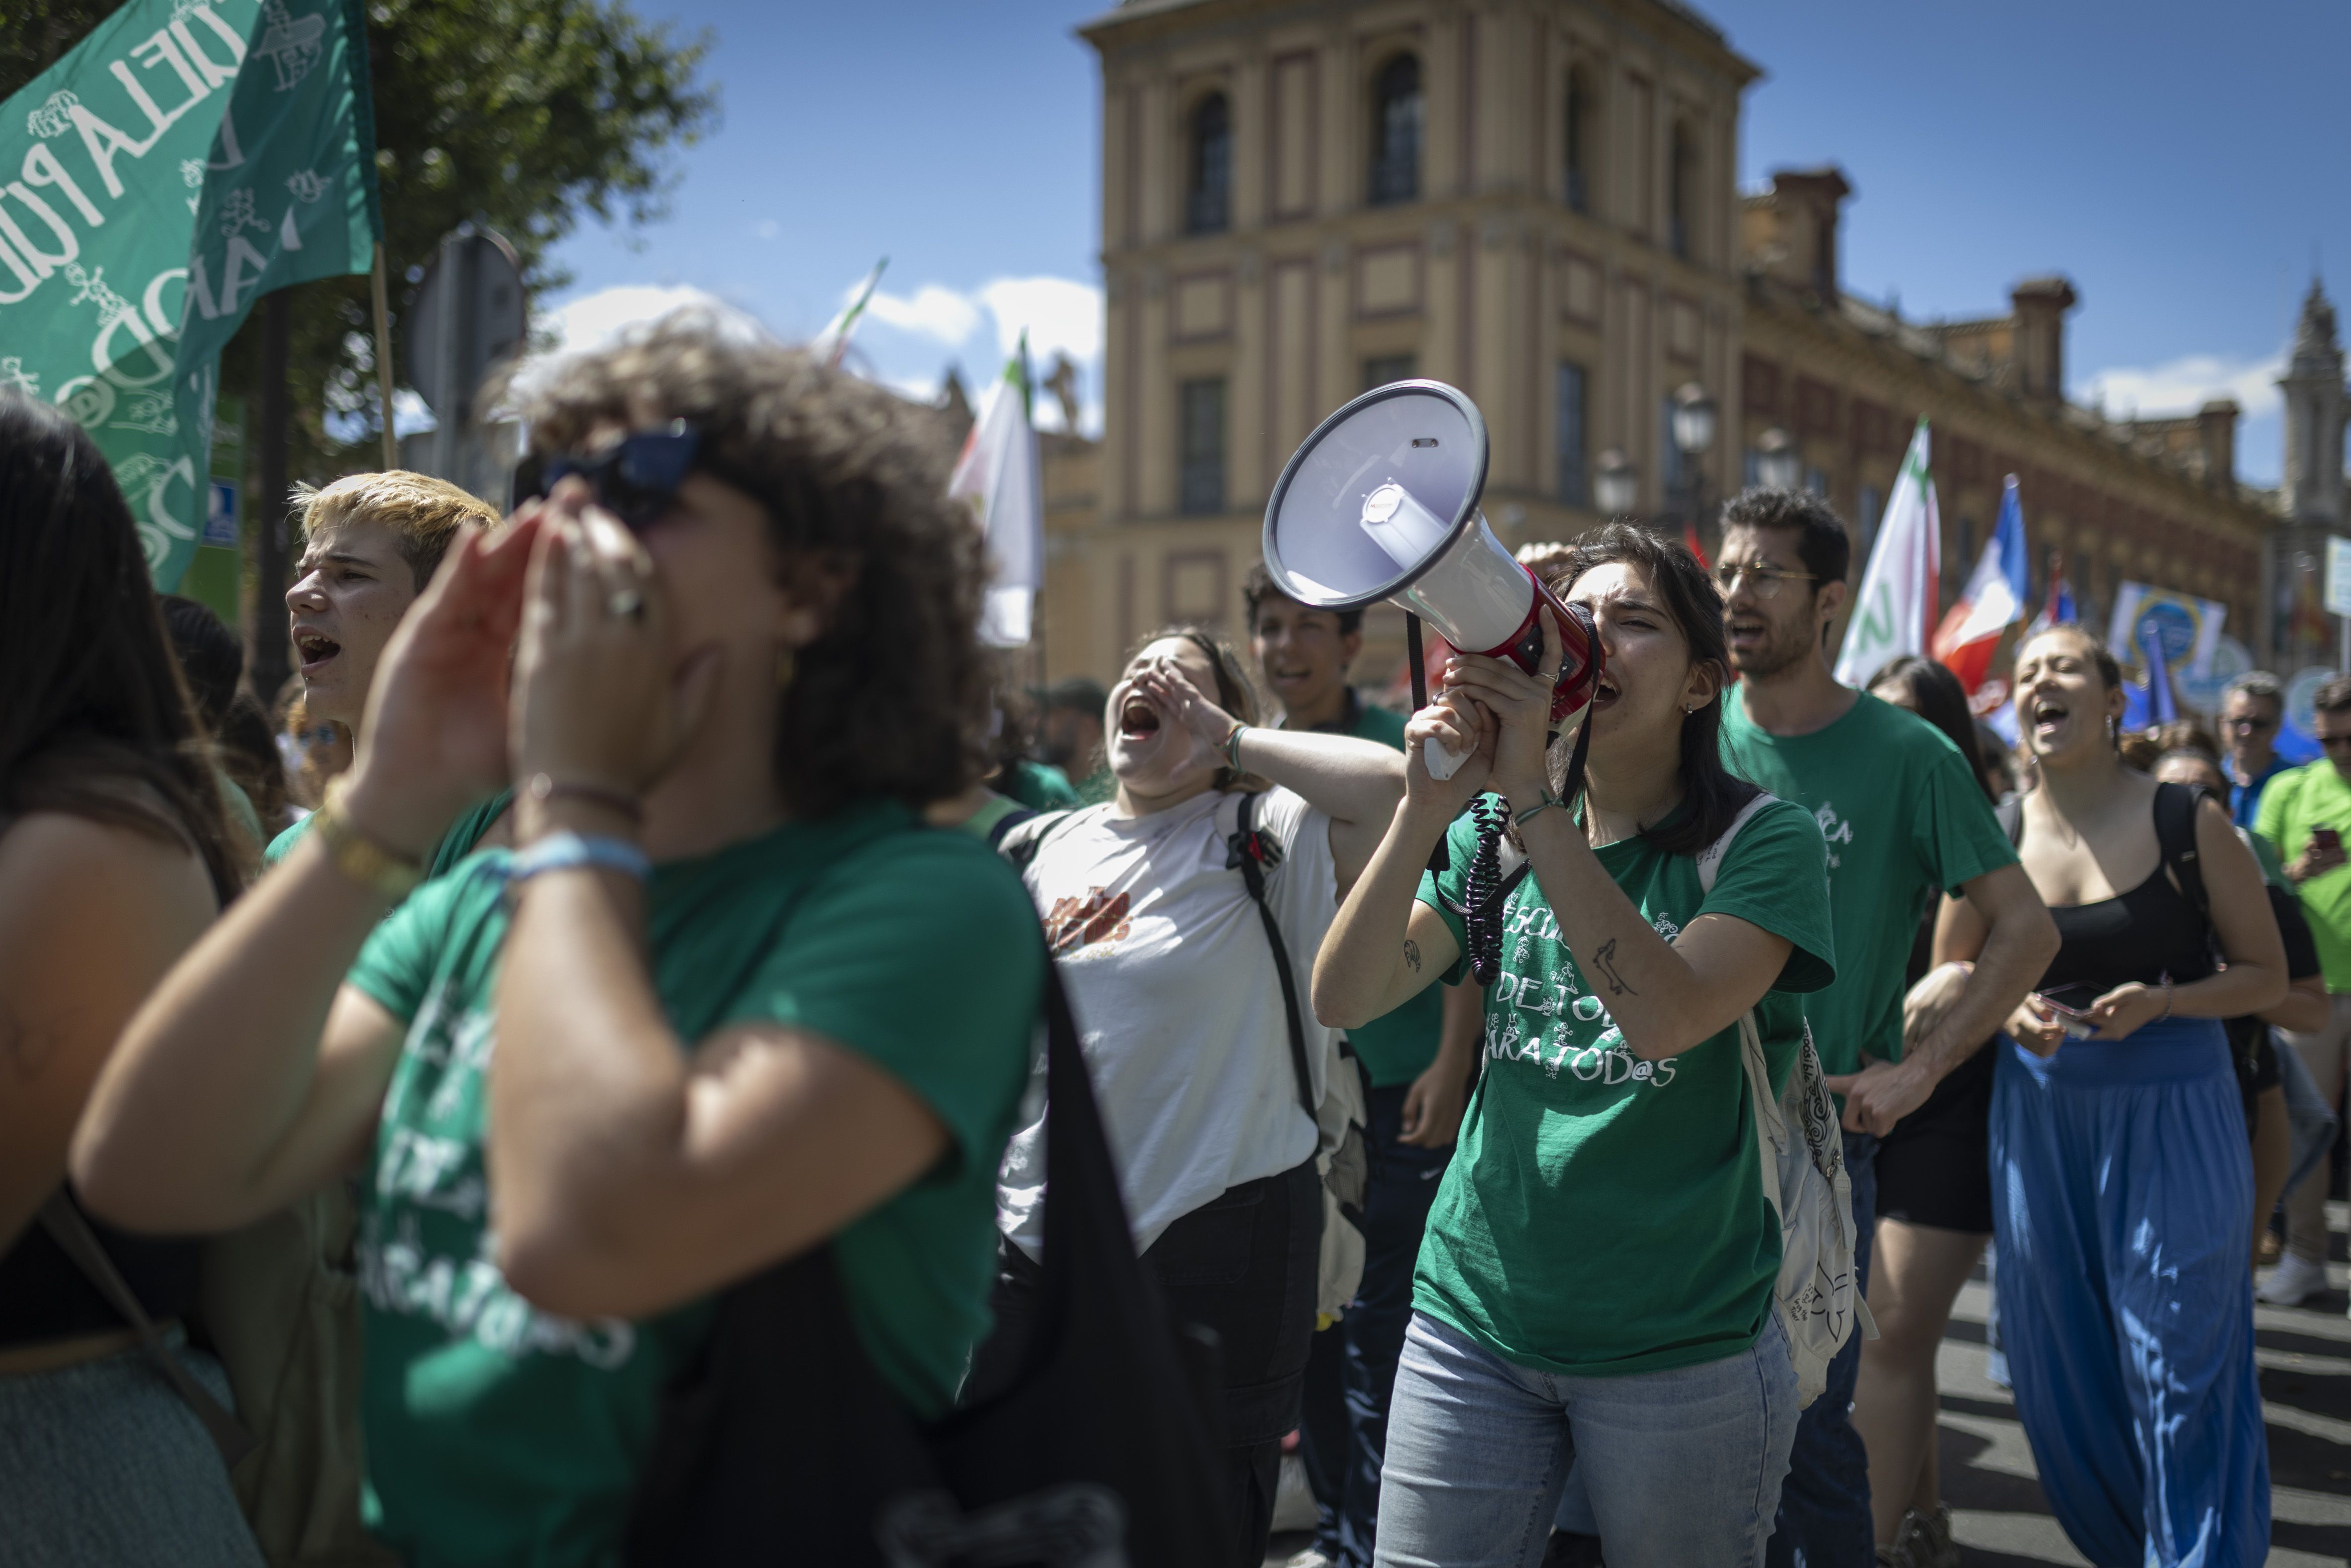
(2250, 710)
(1903, 816)
(2304, 814)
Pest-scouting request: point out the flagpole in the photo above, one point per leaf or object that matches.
(384, 357)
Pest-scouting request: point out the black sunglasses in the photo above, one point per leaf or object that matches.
(634, 480)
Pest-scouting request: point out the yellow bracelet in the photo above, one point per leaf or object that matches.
(358, 857)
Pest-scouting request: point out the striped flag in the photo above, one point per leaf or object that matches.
(1992, 601)
(1896, 607)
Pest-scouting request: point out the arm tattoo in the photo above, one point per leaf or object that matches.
(1412, 954)
(1606, 958)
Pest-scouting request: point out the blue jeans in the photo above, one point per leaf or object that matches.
(1824, 1520)
(1350, 1372)
(1682, 1466)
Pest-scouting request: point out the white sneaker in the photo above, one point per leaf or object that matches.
(2294, 1281)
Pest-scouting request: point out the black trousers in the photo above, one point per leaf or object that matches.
(1242, 1266)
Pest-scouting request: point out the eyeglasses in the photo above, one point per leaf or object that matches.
(2251, 721)
(635, 478)
(1763, 581)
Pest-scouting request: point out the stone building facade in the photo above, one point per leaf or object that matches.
(1536, 200)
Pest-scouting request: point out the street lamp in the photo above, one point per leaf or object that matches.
(1778, 465)
(1694, 419)
(1617, 483)
(1693, 430)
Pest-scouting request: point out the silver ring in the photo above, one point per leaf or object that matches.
(628, 602)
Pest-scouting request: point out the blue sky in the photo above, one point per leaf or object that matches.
(2181, 165)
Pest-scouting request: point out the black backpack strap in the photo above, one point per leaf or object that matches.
(1006, 823)
(1021, 836)
(1252, 852)
(2175, 833)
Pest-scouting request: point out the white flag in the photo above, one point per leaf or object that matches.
(1000, 475)
(1896, 607)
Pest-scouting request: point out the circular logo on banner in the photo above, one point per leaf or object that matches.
(2173, 625)
(2301, 711)
(88, 399)
(2230, 659)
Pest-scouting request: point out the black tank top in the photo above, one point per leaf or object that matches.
(43, 1297)
(2151, 931)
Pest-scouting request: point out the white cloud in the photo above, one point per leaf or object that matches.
(2183, 385)
(939, 314)
(1060, 314)
(594, 320)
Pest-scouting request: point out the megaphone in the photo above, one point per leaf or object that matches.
(1381, 502)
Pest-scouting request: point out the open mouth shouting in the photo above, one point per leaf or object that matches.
(1138, 719)
(1746, 632)
(317, 649)
(1604, 692)
(2049, 713)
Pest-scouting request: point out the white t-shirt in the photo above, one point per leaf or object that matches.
(1177, 1003)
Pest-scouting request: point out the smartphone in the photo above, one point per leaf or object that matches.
(2327, 839)
(2071, 1006)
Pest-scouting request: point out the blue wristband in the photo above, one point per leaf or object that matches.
(568, 851)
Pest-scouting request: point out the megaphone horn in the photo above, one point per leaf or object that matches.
(1381, 503)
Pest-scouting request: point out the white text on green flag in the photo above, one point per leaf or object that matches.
(1896, 604)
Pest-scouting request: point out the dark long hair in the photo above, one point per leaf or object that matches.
(96, 721)
(1936, 697)
(1711, 794)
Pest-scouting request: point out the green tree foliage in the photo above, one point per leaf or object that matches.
(524, 115)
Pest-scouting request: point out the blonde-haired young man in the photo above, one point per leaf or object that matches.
(370, 542)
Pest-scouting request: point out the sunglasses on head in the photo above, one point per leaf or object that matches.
(635, 478)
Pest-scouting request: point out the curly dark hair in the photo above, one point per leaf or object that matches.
(892, 699)
(1823, 543)
(98, 723)
(1711, 794)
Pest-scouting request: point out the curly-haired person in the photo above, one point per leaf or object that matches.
(714, 967)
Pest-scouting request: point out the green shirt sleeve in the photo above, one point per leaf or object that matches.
(283, 844)
(2269, 817)
(1776, 876)
(1954, 830)
(1435, 889)
(921, 954)
(396, 965)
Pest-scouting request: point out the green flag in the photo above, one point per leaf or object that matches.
(184, 158)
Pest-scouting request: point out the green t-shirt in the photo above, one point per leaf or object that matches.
(1039, 785)
(455, 844)
(1606, 1215)
(1902, 815)
(2314, 796)
(1394, 1048)
(500, 1434)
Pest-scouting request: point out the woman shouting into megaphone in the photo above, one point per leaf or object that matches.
(1596, 1282)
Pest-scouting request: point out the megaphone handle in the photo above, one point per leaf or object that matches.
(1442, 764)
(1419, 666)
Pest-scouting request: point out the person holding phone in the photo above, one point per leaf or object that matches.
(2123, 1184)
(2302, 815)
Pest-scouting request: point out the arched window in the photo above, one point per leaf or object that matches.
(1683, 193)
(1208, 190)
(1396, 132)
(1579, 143)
